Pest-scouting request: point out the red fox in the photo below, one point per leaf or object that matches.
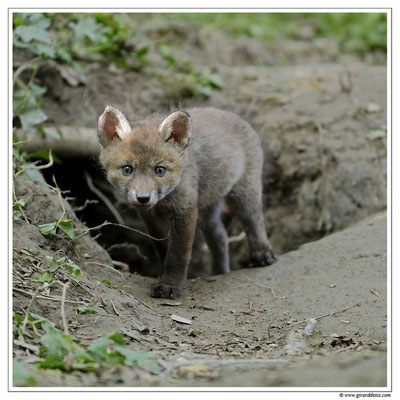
(177, 170)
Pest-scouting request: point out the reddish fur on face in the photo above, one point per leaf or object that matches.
(144, 150)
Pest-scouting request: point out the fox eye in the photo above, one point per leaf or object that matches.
(160, 171)
(126, 170)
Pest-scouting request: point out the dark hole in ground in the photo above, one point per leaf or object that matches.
(136, 250)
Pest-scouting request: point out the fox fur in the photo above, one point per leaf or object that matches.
(177, 170)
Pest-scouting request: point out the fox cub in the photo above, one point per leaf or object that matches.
(177, 170)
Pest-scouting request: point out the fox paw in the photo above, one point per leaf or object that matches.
(263, 258)
(165, 291)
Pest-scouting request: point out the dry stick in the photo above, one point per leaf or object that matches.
(52, 298)
(102, 197)
(64, 319)
(33, 166)
(115, 309)
(331, 314)
(106, 223)
(106, 266)
(43, 287)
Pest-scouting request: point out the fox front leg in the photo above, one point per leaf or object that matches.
(178, 256)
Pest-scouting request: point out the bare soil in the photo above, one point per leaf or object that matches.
(322, 117)
(247, 327)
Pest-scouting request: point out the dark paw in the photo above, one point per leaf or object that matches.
(263, 258)
(165, 291)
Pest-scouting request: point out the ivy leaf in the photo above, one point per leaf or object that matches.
(33, 32)
(45, 277)
(116, 337)
(54, 264)
(99, 349)
(67, 227)
(49, 132)
(73, 269)
(142, 359)
(21, 375)
(86, 310)
(46, 229)
(56, 345)
(32, 117)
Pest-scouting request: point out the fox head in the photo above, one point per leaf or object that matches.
(144, 161)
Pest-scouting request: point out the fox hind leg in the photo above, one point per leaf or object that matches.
(245, 200)
(216, 237)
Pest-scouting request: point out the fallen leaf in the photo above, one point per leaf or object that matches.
(181, 320)
(170, 303)
(374, 292)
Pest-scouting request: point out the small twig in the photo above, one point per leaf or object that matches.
(106, 266)
(87, 202)
(41, 288)
(103, 198)
(34, 166)
(106, 223)
(64, 293)
(52, 298)
(331, 314)
(262, 286)
(23, 141)
(114, 309)
(31, 347)
(27, 65)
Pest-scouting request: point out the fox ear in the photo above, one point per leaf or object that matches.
(177, 127)
(112, 124)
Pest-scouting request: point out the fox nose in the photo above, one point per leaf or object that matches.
(143, 198)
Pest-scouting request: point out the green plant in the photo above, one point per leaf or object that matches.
(63, 223)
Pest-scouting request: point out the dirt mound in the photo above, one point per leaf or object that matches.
(324, 132)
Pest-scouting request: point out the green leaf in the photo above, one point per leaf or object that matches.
(31, 118)
(19, 203)
(33, 32)
(17, 213)
(99, 349)
(44, 155)
(116, 337)
(56, 345)
(37, 176)
(49, 132)
(44, 50)
(21, 375)
(54, 264)
(142, 359)
(46, 229)
(37, 90)
(73, 269)
(86, 310)
(67, 227)
(85, 28)
(45, 277)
